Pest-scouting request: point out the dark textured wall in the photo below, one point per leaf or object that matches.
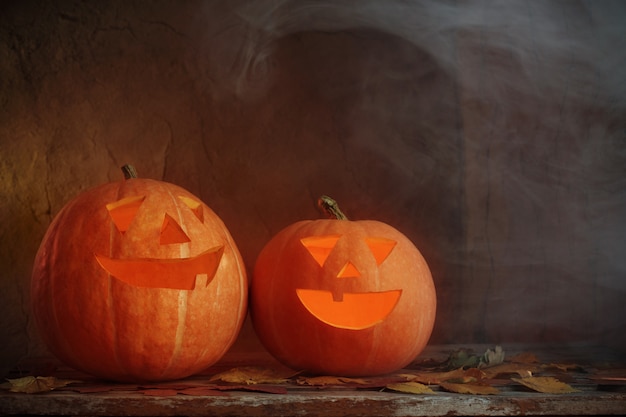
(491, 133)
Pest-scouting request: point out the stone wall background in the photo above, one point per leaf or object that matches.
(491, 133)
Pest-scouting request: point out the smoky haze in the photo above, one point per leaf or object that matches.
(491, 133)
(542, 94)
(549, 43)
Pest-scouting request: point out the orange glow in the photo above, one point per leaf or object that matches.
(380, 247)
(320, 246)
(177, 274)
(195, 206)
(357, 311)
(123, 211)
(349, 271)
(171, 232)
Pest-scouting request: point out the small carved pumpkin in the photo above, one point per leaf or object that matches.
(138, 280)
(342, 297)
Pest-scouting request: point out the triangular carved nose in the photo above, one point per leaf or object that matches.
(349, 271)
(171, 232)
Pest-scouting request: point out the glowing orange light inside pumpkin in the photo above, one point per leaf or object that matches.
(123, 211)
(380, 247)
(176, 273)
(171, 232)
(195, 206)
(354, 311)
(349, 271)
(320, 246)
(164, 273)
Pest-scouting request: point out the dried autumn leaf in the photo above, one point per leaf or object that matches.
(465, 358)
(434, 377)
(330, 380)
(253, 375)
(475, 374)
(469, 376)
(410, 388)
(437, 377)
(463, 380)
(462, 358)
(474, 389)
(521, 369)
(33, 385)
(545, 384)
(492, 357)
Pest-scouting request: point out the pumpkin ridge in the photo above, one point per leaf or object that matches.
(243, 283)
(109, 303)
(52, 282)
(183, 298)
(184, 247)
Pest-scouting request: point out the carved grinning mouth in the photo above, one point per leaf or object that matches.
(177, 274)
(356, 311)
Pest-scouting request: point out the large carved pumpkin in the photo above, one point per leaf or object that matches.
(342, 297)
(138, 280)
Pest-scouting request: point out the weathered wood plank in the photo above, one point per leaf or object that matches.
(309, 401)
(328, 403)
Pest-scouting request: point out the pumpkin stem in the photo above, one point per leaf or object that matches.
(129, 171)
(330, 208)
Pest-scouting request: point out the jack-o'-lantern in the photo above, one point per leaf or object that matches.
(138, 280)
(341, 297)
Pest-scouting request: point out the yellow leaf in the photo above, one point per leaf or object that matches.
(330, 380)
(469, 388)
(522, 369)
(435, 377)
(33, 385)
(253, 375)
(410, 388)
(545, 384)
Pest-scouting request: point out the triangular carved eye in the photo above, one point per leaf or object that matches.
(171, 232)
(123, 211)
(380, 247)
(320, 246)
(194, 205)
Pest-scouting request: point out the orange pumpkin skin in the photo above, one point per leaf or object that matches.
(153, 321)
(374, 341)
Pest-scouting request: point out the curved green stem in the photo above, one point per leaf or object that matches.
(330, 208)
(129, 171)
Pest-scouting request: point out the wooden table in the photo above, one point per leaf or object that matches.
(596, 395)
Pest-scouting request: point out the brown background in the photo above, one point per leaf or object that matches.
(493, 134)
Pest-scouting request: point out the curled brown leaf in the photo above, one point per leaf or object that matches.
(330, 380)
(250, 375)
(546, 385)
(521, 369)
(410, 388)
(475, 389)
(36, 384)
